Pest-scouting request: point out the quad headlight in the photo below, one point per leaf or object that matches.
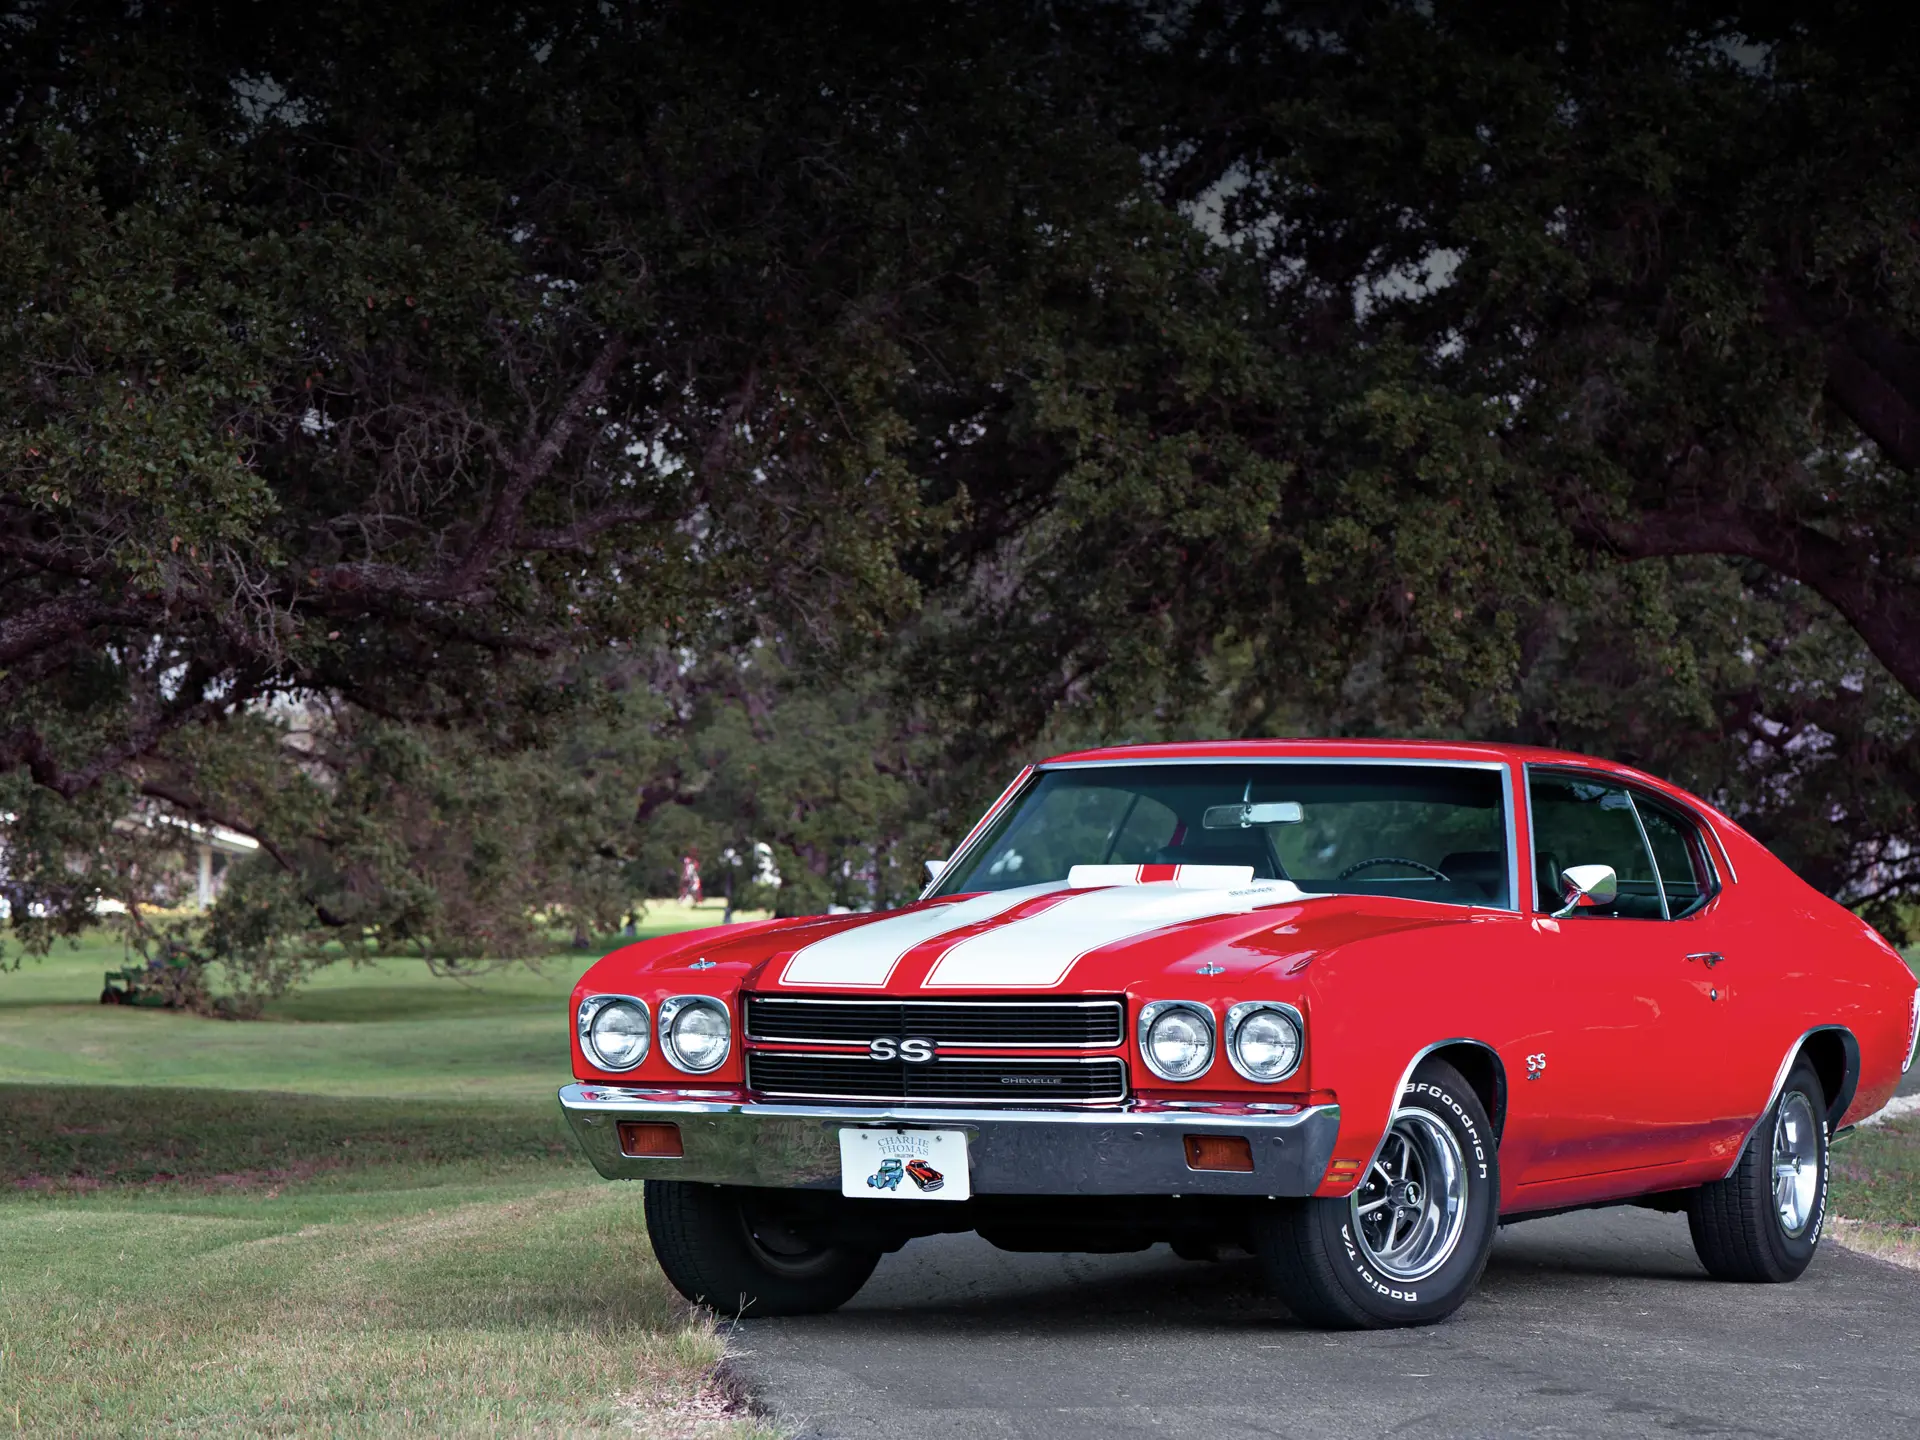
(1264, 1040)
(695, 1033)
(1176, 1038)
(614, 1030)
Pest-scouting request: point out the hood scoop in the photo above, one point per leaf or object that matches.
(1187, 877)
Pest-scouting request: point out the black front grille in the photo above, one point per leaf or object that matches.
(1004, 1080)
(1043, 1024)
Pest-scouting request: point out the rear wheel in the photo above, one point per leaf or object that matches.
(1408, 1246)
(1762, 1223)
(737, 1250)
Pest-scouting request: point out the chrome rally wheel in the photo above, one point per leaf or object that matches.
(1409, 1244)
(1796, 1162)
(1410, 1211)
(1762, 1222)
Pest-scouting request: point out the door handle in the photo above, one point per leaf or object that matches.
(1710, 958)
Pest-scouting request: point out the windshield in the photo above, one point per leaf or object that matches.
(1347, 827)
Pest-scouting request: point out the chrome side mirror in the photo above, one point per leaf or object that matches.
(935, 868)
(1584, 885)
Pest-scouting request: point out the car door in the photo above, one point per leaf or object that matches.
(1616, 1082)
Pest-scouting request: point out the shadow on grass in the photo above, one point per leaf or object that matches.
(73, 1138)
(434, 1000)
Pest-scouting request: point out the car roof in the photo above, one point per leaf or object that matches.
(1307, 749)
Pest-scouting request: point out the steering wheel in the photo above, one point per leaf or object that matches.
(1360, 865)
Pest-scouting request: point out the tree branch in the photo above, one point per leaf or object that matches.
(574, 537)
(29, 747)
(1872, 375)
(1883, 608)
(56, 620)
(195, 807)
(464, 583)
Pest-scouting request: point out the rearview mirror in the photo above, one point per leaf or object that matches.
(1245, 817)
(1585, 885)
(935, 868)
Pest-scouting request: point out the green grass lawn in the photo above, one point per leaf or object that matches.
(361, 1215)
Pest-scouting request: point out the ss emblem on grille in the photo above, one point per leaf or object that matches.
(914, 1049)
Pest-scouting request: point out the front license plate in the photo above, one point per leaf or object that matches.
(904, 1165)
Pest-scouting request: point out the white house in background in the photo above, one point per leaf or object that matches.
(207, 842)
(211, 840)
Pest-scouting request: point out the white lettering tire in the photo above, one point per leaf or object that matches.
(1762, 1223)
(1409, 1245)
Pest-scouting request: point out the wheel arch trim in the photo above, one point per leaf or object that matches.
(1836, 1104)
(1498, 1111)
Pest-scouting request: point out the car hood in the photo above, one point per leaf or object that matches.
(1048, 938)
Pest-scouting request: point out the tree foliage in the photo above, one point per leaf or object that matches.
(482, 453)
(398, 367)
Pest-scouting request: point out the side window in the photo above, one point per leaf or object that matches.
(1685, 872)
(1579, 821)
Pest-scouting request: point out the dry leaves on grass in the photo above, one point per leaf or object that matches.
(1883, 1240)
(717, 1409)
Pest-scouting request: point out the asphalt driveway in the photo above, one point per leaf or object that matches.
(1599, 1323)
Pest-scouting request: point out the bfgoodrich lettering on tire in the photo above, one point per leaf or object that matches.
(1762, 1223)
(1407, 1247)
(732, 1248)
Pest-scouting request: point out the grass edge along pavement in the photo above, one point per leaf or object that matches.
(335, 1256)
(1874, 1200)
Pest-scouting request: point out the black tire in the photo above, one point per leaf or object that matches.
(1313, 1260)
(1739, 1230)
(725, 1246)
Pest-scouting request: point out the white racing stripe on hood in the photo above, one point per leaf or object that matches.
(866, 954)
(1037, 952)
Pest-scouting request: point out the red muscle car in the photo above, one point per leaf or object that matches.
(924, 1175)
(1346, 1004)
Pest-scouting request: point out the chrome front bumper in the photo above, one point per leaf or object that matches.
(1135, 1149)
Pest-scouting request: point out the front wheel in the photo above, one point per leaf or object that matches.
(734, 1249)
(1762, 1223)
(1408, 1246)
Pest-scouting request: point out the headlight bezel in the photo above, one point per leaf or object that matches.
(1238, 1015)
(1157, 1010)
(671, 1009)
(591, 1008)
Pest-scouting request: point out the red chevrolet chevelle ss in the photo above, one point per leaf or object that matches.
(1346, 1005)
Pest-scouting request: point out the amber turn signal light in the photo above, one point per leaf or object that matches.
(1219, 1152)
(655, 1142)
